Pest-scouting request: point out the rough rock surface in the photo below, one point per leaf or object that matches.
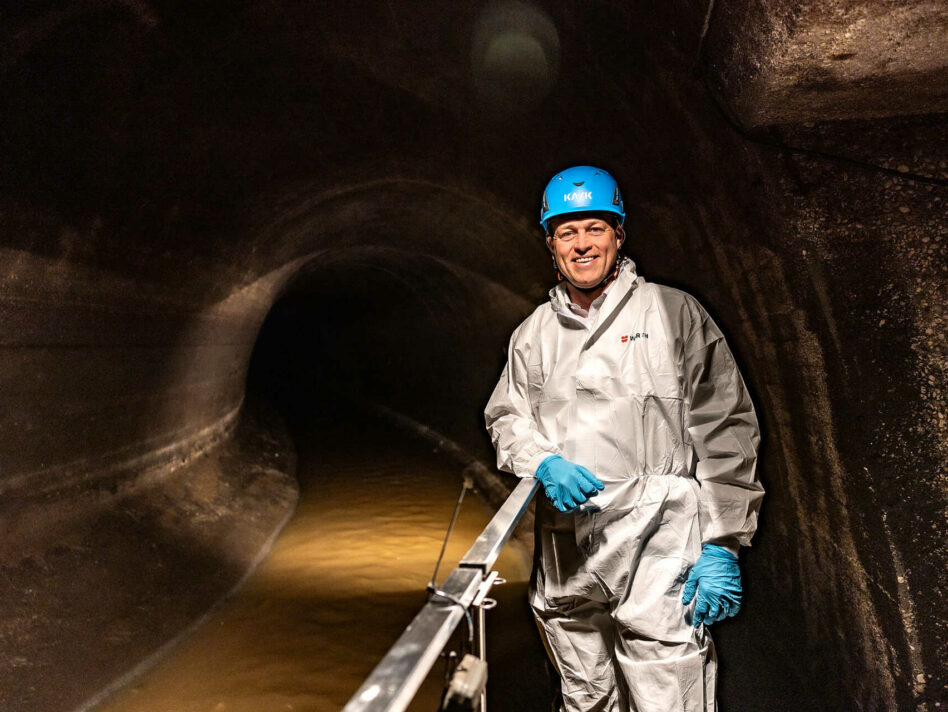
(119, 582)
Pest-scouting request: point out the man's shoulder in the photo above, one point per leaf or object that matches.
(678, 305)
(669, 294)
(542, 312)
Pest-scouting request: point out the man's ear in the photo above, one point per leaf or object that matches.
(549, 243)
(620, 233)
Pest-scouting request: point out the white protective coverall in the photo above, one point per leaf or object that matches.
(648, 398)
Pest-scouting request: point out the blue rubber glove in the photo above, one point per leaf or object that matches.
(567, 485)
(716, 577)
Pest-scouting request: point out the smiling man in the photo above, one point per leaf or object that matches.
(622, 398)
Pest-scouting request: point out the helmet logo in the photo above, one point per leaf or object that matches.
(577, 195)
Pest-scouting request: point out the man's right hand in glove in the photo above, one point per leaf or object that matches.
(716, 579)
(567, 485)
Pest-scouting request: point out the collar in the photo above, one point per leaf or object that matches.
(617, 289)
(593, 307)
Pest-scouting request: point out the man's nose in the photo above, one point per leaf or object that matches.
(583, 240)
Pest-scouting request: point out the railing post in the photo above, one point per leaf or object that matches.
(480, 606)
(480, 648)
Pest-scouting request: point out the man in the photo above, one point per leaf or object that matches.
(622, 397)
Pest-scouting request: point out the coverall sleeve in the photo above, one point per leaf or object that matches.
(520, 446)
(723, 427)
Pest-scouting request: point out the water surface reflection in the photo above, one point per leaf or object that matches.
(343, 580)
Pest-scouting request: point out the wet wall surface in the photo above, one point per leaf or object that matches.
(173, 173)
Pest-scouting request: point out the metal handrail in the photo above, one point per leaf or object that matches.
(395, 680)
(486, 548)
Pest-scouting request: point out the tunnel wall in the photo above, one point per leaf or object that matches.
(152, 216)
(141, 381)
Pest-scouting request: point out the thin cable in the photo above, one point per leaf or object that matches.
(704, 32)
(444, 545)
(433, 589)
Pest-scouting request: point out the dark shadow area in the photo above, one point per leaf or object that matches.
(387, 326)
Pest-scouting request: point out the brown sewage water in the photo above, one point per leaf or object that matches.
(344, 578)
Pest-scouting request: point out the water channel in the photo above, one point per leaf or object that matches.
(342, 581)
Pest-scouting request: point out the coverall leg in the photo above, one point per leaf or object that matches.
(607, 596)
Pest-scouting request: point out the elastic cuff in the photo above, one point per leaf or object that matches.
(534, 462)
(726, 543)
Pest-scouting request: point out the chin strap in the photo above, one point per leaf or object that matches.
(620, 260)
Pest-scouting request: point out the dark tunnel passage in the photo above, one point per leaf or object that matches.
(390, 326)
(218, 221)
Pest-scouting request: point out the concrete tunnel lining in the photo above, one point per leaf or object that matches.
(225, 150)
(347, 259)
(388, 258)
(120, 480)
(234, 318)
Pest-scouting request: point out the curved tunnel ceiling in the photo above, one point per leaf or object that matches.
(378, 167)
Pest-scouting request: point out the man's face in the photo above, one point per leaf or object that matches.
(584, 248)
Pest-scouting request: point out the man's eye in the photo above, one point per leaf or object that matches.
(597, 231)
(567, 234)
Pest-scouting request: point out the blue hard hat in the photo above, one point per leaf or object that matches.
(581, 189)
